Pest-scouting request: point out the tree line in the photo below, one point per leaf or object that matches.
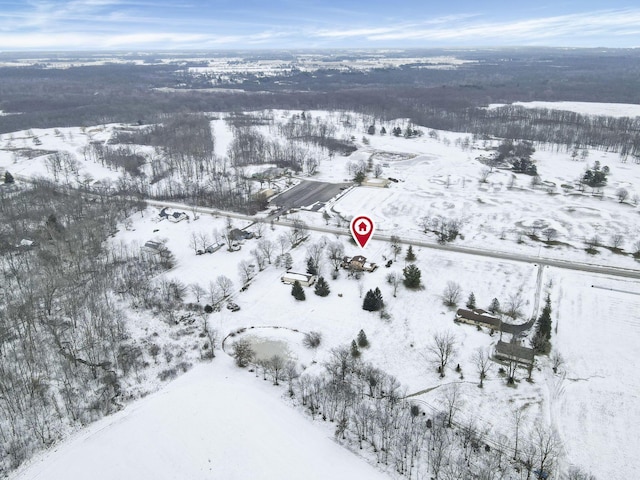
(66, 355)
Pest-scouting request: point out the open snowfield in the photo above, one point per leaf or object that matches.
(213, 422)
(584, 108)
(591, 402)
(595, 399)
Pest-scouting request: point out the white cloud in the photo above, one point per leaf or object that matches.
(592, 23)
(101, 24)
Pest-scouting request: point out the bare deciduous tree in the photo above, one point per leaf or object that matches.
(547, 448)
(442, 348)
(283, 241)
(197, 291)
(481, 359)
(193, 242)
(335, 253)
(275, 366)
(451, 294)
(518, 416)
(225, 285)
(314, 252)
(394, 279)
(259, 257)
(396, 247)
(266, 247)
(452, 401)
(258, 228)
(550, 234)
(514, 304)
(617, 239)
(246, 270)
(298, 231)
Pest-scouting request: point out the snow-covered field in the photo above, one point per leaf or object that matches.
(584, 108)
(595, 400)
(591, 402)
(213, 422)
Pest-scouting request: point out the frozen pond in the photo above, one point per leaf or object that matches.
(266, 348)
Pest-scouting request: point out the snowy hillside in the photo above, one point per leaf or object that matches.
(213, 422)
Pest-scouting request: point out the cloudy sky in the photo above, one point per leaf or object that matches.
(221, 24)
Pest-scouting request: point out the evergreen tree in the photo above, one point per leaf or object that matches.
(377, 294)
(410, 257)
(371, 130)
(312, 268)
(543, 328)
(322, 287)
(412, 276)
(355, 353)
(8, 178)
(368, 302)
(373, 300)
(363, 342)
(471, 301)
(359, 177)
(297, 291)
(383, 131)
(495, 306)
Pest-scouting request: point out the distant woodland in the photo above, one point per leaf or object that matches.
(435, 98)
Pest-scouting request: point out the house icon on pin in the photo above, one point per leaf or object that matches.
(362, 227)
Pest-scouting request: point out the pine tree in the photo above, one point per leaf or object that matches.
(312, 268)
(410, 257)
(373, 301)
(543, 329)
(377, 294)
(355, 353)
(412, 276)
(544, 322)
(322, 287)
(297, 291)
(471, 301)
(495, 306)
(363, 342)
(8, 178)
(368, 303)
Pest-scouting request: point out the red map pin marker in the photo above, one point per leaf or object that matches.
(362, 230)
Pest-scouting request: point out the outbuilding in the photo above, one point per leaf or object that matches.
(305, 279)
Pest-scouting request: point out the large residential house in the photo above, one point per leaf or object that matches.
(478, 317)
(358, 263)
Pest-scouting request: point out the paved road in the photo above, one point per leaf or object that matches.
(306, 193)
(515, 257)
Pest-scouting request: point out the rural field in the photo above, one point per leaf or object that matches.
(510, 227)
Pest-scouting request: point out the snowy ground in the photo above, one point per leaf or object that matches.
(213, 422)
(591, 402)
(584, 108)
(595, 398)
